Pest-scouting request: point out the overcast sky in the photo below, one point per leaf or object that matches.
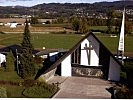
(35, 2)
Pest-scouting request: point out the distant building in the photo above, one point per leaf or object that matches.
(12, 24)
(2, 58)
(44, 21)
(1, 23)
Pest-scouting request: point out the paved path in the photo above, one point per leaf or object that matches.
(81, 87)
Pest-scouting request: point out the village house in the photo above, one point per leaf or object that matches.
(51, 54)
(2, 58)
(12, 24)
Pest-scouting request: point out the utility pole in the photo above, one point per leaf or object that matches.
(17, 61)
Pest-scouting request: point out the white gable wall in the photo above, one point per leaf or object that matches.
(84, 58)
(114, 70)
(66, 69)
(94, 60)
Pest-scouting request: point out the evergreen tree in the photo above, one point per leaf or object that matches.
(26, 58)
(10, 61)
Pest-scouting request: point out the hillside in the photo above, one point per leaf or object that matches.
(55, 10)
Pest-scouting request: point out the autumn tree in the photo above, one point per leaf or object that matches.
(75, 24)
(83, 25)
(26, 58)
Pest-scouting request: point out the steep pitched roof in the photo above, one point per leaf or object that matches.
(46, 51)
(74, 48)
(13, 49)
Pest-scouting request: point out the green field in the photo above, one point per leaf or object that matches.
(65, 41)
(112, 43)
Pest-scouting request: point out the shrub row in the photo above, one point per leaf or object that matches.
(9, 83)
(41, 90)
(3, 93)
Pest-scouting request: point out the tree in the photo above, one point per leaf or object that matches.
(117, 26)
(83, 25)
(60, 19)
(47, 22)
(109, 21)
(128, 23)
(34, 20)
(26, 58)
(10, 61)
(75, 24)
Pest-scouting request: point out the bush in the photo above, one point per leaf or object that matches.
(129, 68)
(3, 93)
(29, 83)
(38, 60)
(41, 90)
(124, 93)
(61, 32)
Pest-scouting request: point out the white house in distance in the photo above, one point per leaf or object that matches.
(89, 57)
(52, 54)
(12, 24)
(2, 58)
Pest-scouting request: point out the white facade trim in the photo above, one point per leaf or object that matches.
(66, 68)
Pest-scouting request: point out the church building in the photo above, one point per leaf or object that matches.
(89, 58)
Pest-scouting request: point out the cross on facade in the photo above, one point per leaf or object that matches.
(88, 54)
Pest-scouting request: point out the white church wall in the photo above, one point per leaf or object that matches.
(66, 69)
(94, 57)
(84, 58)
(114, 70)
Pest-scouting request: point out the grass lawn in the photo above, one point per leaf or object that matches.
(14, 91)
(112, 43)
(55, 41)
(9, 75)
(65, 41)
(42, 40)
(98, 27)
(15, 85)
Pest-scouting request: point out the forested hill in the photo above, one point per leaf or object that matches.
(65, 9)
(115, 4)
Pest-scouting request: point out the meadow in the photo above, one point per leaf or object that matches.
(65, 41)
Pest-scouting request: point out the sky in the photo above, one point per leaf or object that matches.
(35, 2)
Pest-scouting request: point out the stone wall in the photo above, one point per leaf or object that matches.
(83, 71)
(48, 75)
